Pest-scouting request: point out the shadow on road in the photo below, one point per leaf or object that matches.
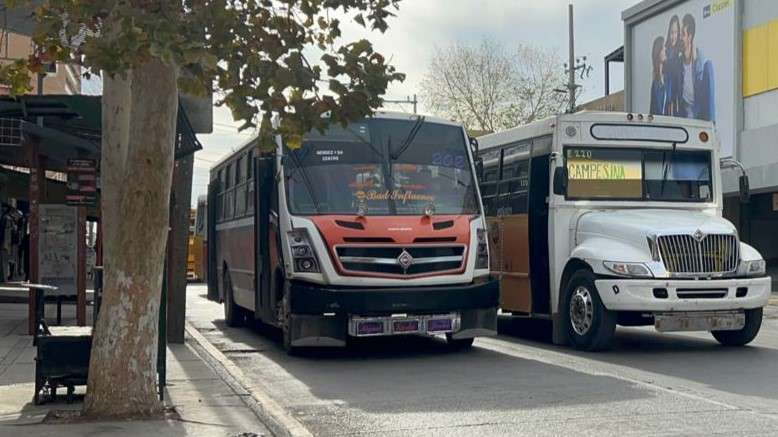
(750, 370)
(394, 374)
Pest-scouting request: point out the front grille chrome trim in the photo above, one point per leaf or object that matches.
(715, 255)
(428, 259)
(393, 261)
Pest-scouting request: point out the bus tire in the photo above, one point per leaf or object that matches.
(589, 325)
(459, 343)
(745, 335)
(234, 315)
(285, 321)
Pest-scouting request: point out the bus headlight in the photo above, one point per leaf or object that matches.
(753, 268)
(303, 255)
(637, 270)
(482, 251)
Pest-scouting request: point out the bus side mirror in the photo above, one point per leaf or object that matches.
(473, 145)
(745, 191)
(560, 181)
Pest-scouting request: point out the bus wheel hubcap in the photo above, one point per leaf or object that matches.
(581, 310)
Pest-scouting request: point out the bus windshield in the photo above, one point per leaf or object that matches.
(382, 167)
(638, 174)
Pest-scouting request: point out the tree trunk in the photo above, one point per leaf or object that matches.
(139, 128)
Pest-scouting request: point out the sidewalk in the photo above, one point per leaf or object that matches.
(206, 404)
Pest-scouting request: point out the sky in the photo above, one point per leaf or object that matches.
(421, 26)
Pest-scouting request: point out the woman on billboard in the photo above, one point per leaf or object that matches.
(660, 92)
(672, 67)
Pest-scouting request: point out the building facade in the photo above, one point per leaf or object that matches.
(60, 78)
(716, 60)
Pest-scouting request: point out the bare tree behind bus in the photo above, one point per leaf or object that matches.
(489, 87)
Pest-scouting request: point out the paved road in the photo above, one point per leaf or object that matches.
(514, 384)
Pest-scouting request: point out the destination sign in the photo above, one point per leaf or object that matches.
(587, 165)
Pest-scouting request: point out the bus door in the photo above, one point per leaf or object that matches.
(513, 223)
(540, 279)
(264, 182)
(212, 207)
(490, 182)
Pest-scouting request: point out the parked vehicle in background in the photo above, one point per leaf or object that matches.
(599, 219)
(196, 260)
(371, 229)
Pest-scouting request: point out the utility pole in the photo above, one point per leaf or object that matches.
(412, 100)
(574, 65)
(571, 86)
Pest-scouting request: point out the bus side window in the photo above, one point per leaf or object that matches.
(515, 187)
(220, 196)
(250, 185)
(489, 190)
(229, 195)
(240, 187)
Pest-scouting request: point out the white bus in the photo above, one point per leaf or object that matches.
(605, 219)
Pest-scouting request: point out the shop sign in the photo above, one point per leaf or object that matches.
(82, 182)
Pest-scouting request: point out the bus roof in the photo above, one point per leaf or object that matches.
(532, 130)
(546, 126)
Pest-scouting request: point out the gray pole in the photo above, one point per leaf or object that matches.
(415, 101)
(571, 62)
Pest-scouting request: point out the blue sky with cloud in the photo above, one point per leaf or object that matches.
(421, 26)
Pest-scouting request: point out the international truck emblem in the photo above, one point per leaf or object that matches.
(405, 260)
(699, 235)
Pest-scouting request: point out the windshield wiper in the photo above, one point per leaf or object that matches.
(306, 179)
(409, 139)
(666, 168)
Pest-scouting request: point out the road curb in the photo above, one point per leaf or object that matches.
(273, 415)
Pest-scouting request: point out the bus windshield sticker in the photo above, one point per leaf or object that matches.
(402, 196)
(449, 160)
(329, 155)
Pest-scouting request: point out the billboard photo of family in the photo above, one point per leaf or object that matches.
(683, 80)
(682, 64)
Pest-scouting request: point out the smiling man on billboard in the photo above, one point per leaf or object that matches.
(697, 81)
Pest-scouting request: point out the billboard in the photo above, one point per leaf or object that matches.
(683, 64)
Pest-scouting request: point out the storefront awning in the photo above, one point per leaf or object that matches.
(69, 126)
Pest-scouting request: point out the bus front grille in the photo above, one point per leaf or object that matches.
(401, 261)
(705, 254)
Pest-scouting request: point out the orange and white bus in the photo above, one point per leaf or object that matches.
(369, 230)
(599, 219)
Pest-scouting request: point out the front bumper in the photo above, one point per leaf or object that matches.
(638, 294)
(307, 298)
(320, 315)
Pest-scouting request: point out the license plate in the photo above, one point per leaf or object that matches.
(439, 325)
(700, 321)
(370, 327)
(405, 326)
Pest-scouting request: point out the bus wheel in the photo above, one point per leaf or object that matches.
(459, 343)
(234, 315)
(285, 317)
(742, 336)
(590, 326)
